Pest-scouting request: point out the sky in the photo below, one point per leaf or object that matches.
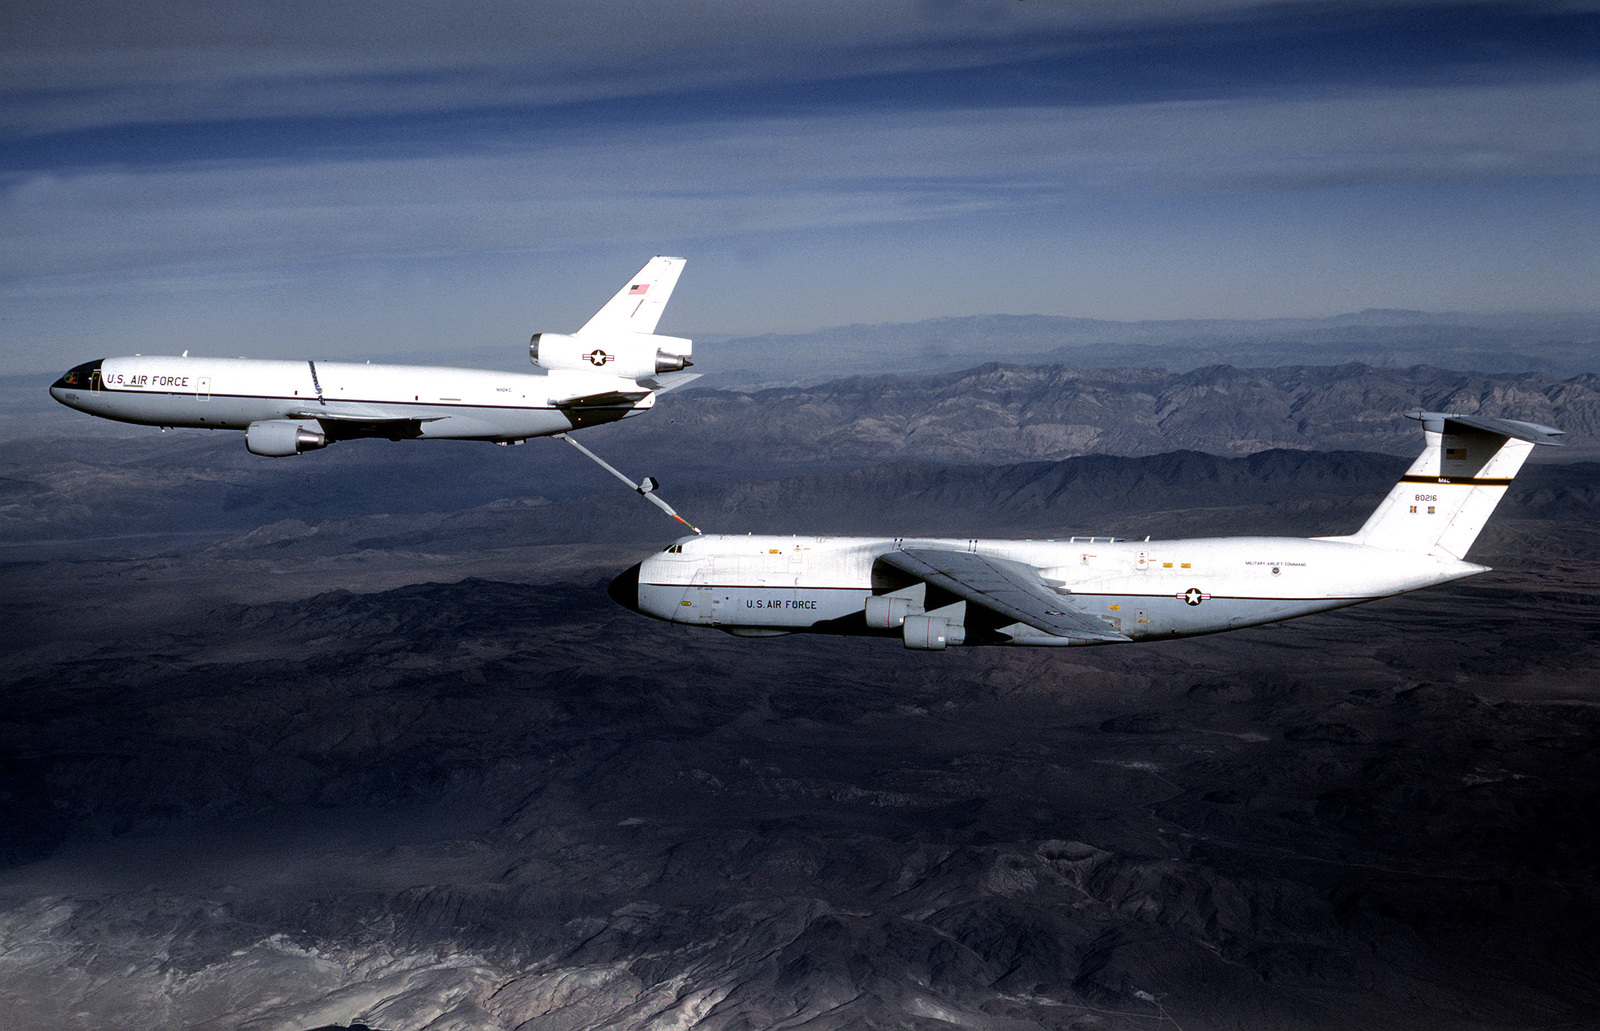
(339, 179)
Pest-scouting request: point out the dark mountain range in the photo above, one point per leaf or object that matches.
(153, 483)
(94, 509)
(1008, 413)
(358, 736)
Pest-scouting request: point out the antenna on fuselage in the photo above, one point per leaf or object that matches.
(645, 488)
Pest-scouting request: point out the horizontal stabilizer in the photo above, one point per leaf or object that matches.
(1011, 589)
(669, 381)
(1532, 432)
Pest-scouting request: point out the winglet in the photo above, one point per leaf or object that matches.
(637, 307)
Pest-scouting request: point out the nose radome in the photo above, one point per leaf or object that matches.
(624, 590)
(65, 390)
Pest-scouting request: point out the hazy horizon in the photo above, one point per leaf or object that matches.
(353, 180)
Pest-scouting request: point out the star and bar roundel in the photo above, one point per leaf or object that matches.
(1193, 596)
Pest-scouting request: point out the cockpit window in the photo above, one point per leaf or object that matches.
(84, 377)
(672, 549)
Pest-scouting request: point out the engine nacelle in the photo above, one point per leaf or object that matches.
(280, 438)
(641, 356)
(886, 611)
(932, 633)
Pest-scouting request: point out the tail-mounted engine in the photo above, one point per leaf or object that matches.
(635, 356)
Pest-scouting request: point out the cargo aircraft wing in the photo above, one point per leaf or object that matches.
(1011, 589)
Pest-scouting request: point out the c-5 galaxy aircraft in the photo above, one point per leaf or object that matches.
(610, 369)
(932, 593)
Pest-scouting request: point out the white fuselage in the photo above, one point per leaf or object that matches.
(232, 393)
(1143, 589)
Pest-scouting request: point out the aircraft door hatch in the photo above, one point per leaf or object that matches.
(202, 388)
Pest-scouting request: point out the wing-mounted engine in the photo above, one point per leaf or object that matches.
(280, 438)
(632, 356)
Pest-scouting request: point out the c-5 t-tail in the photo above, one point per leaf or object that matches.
(933, 593)
(1446, 498)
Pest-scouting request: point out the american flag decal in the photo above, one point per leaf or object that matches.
(638, 288)
(1455, 454)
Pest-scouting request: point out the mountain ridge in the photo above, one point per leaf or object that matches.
(999, 412)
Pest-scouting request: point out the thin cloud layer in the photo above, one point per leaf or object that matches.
(94, 65)
(1224, 144)
(774, 175)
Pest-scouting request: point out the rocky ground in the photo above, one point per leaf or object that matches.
(299, 760)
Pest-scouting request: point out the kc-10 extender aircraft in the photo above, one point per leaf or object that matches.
(932, 593)
(610, 369)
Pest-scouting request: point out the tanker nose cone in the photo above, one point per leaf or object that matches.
(624, 590)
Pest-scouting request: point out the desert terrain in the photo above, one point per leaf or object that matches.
(358, 736)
